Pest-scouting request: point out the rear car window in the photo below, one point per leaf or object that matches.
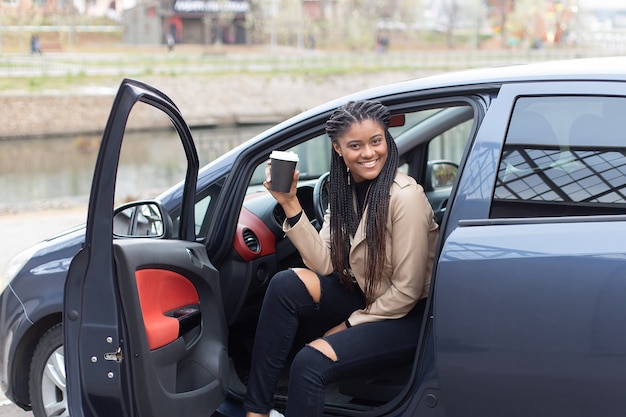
(563, 156)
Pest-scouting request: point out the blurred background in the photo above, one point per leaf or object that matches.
(234, 68)
(355, 25)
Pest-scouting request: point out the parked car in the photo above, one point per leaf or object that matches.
(526, 171)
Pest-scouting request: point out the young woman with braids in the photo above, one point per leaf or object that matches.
(368, 271)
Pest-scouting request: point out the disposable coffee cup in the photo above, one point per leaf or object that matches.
(283, 166)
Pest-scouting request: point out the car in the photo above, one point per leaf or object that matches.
(151, 308)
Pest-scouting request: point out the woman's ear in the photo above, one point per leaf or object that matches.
(337, 149)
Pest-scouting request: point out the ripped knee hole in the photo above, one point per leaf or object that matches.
(324, 348)
(311, 282)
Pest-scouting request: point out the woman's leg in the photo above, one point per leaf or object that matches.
(291, 295)
(347, 354)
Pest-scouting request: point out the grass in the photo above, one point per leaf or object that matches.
(46, 83)
(106, 66)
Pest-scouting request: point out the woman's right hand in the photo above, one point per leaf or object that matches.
(288, 201)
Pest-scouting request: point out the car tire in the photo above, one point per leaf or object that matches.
(47, 381)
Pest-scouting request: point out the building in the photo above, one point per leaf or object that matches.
(187, 21)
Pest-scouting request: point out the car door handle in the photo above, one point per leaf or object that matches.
(195, 259)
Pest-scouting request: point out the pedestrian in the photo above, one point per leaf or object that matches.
(367, 276)
(170, 42)
(35, 45)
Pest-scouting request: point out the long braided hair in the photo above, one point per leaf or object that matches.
(344, 220)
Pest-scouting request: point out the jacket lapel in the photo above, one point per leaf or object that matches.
(359, 235)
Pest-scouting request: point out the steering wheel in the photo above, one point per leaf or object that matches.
(320, 198)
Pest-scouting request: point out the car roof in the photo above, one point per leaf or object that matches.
(588, 69)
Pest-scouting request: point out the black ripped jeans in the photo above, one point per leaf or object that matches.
(360, 348)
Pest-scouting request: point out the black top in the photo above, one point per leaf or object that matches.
(361, 189)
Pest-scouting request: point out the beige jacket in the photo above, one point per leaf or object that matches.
(411, 240)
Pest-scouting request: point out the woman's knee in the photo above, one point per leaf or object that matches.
(310, 364)
(324, 347)
(311, 282)
(285, 283)
(297, 283)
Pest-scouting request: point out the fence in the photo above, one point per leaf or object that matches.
(201, 61)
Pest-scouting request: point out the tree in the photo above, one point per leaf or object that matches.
(499, 11)
(451, 14)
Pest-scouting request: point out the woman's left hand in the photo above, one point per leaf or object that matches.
(338, 328)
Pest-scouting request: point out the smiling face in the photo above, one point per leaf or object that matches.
(364, 149)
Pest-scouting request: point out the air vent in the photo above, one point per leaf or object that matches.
(251, 241)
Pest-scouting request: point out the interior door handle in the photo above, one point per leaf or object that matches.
(195, 259)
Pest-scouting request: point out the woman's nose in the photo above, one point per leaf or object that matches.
(367, 150)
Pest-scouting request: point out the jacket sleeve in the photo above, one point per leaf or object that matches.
(314, 247)
(413, 237)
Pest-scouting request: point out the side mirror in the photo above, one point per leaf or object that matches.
(142, 219)
(440, 174)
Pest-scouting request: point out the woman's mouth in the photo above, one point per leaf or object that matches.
(369, 164)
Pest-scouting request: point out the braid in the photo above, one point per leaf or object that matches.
(344, 220)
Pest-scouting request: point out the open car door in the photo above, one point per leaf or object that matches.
(144, 328)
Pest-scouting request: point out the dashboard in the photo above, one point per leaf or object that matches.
(260, 222)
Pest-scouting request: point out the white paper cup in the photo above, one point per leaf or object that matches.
(283, 166)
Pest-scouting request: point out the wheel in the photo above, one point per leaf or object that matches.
(48, 394)
(320, 198)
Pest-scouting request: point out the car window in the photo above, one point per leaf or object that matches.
(201, 209)
(410, 120)
(449, 145)
(563, 156)
(204, 209)
(314, 160)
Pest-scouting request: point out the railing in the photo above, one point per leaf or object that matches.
(205, 61)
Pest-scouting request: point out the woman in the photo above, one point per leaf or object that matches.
(368, 270)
